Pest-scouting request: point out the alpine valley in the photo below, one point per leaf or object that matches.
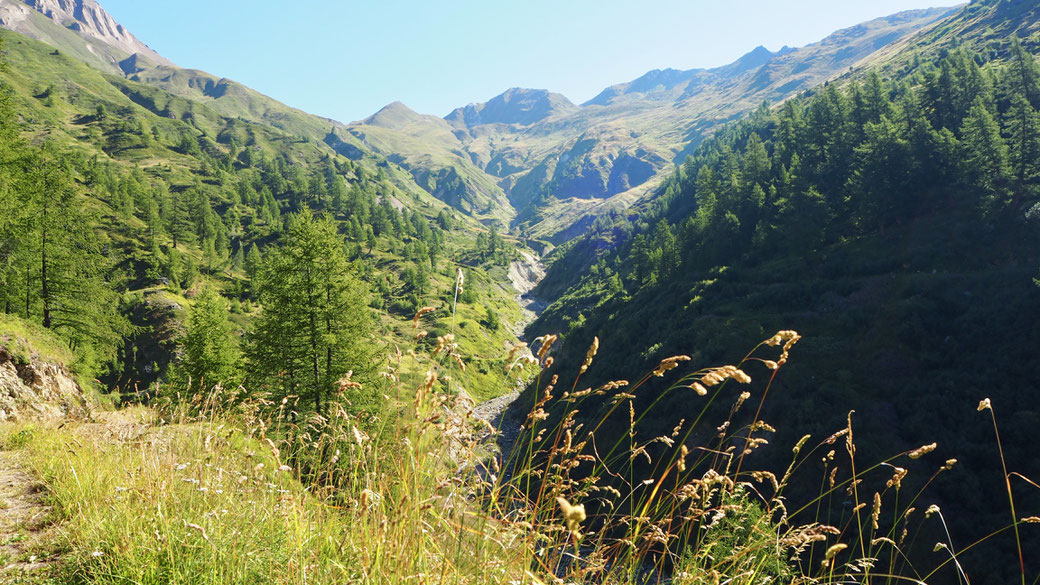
(240, 343)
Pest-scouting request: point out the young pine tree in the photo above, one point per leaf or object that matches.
(211, 353)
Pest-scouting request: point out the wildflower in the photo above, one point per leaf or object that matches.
(97, 554)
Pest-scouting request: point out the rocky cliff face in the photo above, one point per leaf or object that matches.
(37, 389)
(108, 40)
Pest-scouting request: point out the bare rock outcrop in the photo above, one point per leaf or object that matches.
(38, 390)
(106, 39)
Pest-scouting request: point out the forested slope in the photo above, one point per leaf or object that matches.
(121, 202)
(894, 224)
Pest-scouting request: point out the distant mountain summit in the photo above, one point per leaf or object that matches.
(109, 44)
(515, 106)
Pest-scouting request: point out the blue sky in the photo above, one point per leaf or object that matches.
(347, 59)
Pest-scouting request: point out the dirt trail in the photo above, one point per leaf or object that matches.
(24, 523)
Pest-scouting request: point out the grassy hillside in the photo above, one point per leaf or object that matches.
(226, 489)
(139, 156)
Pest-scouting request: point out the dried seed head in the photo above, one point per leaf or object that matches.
(670, 363)
(419, 315)
(741, 399)
(573, 515)
(897, 478)
(345, 382)
(933, 509)
(877, 510)
(761, 425)
(591, 353)
(547, 341)
(922, 450)
(985, 405)
(712, 379)
(801, 443)
(369, 498)
(833, 550)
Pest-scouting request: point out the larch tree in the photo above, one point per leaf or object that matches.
(211, 353)
(314, 326)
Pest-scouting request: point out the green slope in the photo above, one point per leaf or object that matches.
(128, 142)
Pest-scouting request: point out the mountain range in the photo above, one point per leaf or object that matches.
(876, 191)
(529, 160)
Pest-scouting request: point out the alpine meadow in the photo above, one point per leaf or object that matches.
(770, 322)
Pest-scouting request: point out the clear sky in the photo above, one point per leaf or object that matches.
(346, 59)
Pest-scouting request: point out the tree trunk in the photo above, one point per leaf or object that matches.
(43, 277)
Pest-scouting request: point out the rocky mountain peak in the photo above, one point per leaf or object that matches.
(514, 106)
(85, 17)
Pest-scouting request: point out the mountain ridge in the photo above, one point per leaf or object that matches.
(561, 166)
(109, 42)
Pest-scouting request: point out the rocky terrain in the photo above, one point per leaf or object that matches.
(37, 389)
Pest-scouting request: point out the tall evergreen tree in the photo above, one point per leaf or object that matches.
(314, 325)
(986, 156)
(211, 352)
